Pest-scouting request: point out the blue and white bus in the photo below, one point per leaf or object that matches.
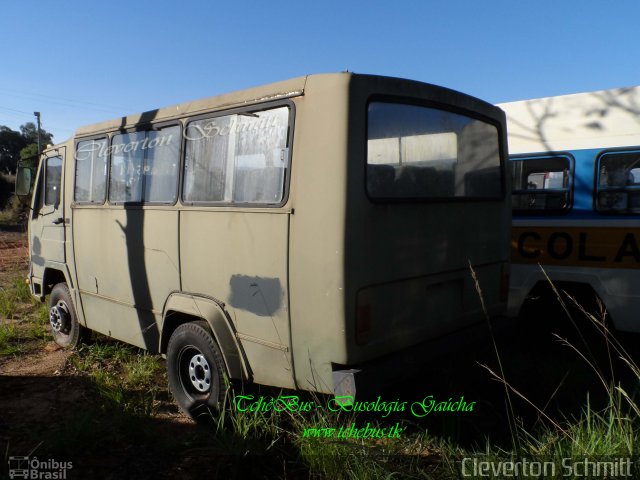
(576, 199)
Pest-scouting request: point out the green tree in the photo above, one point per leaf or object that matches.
(29, 156)
(30, 132)
(12, 143)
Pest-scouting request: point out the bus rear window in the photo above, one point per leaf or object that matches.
(541, 184)
(416, 152)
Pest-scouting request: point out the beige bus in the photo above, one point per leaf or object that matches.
(303, 234)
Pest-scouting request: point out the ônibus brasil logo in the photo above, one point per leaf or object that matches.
(32, 468)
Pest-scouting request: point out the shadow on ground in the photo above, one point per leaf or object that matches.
(67, 420)
(548, 373)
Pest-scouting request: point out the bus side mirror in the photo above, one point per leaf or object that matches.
(23, 181)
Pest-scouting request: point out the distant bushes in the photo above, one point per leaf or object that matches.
(6, 189)
(13, 210)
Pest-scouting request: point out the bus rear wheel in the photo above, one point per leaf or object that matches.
(65, 328)
(196, 371)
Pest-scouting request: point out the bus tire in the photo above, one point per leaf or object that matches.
(196, 371)
(63, 320)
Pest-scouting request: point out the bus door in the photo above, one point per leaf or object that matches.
(48, 216)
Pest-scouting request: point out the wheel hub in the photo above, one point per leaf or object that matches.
(59, 318)
(200, 373)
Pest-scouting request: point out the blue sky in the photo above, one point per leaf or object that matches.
(83, 62)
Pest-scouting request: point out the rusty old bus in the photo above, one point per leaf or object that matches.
(299, 234)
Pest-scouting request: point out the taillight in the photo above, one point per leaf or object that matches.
(504, 282)
(363, 322)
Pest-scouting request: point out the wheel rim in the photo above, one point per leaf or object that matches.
(60, 318)
(195, 371)
(200, 373)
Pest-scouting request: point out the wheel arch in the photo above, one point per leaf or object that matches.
(577, 289)
(181, 308)
(54, 274)
(584, 293)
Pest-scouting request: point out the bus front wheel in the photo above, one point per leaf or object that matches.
(67, 331)
(196, 371)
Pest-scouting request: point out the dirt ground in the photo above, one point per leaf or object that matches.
(14, 253)
(50, 361)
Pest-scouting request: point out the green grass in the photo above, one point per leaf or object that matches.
(9, 339)
(124, 375)
(606, 433)
(23, 319)
(127, 379)
(16, 299)
(8, 304)
(38, 327)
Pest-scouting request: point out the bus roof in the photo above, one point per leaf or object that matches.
(283, 89)
(600, 119)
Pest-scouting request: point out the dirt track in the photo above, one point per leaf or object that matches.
(14, 253)
(50, 361)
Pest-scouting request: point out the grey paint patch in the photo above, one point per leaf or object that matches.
(260, 296)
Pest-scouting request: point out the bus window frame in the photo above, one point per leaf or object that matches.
(59, 198)
(596, 182)
(149, 127)
(569, 188)
(255, 107)
(79, 140)
(434, 105)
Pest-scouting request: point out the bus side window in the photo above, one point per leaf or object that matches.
(161, 166)
(53, 176)
(127, 159)
(618, 183)
(240, 158)
(91, 171)
(144, 166)
(542, 183)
